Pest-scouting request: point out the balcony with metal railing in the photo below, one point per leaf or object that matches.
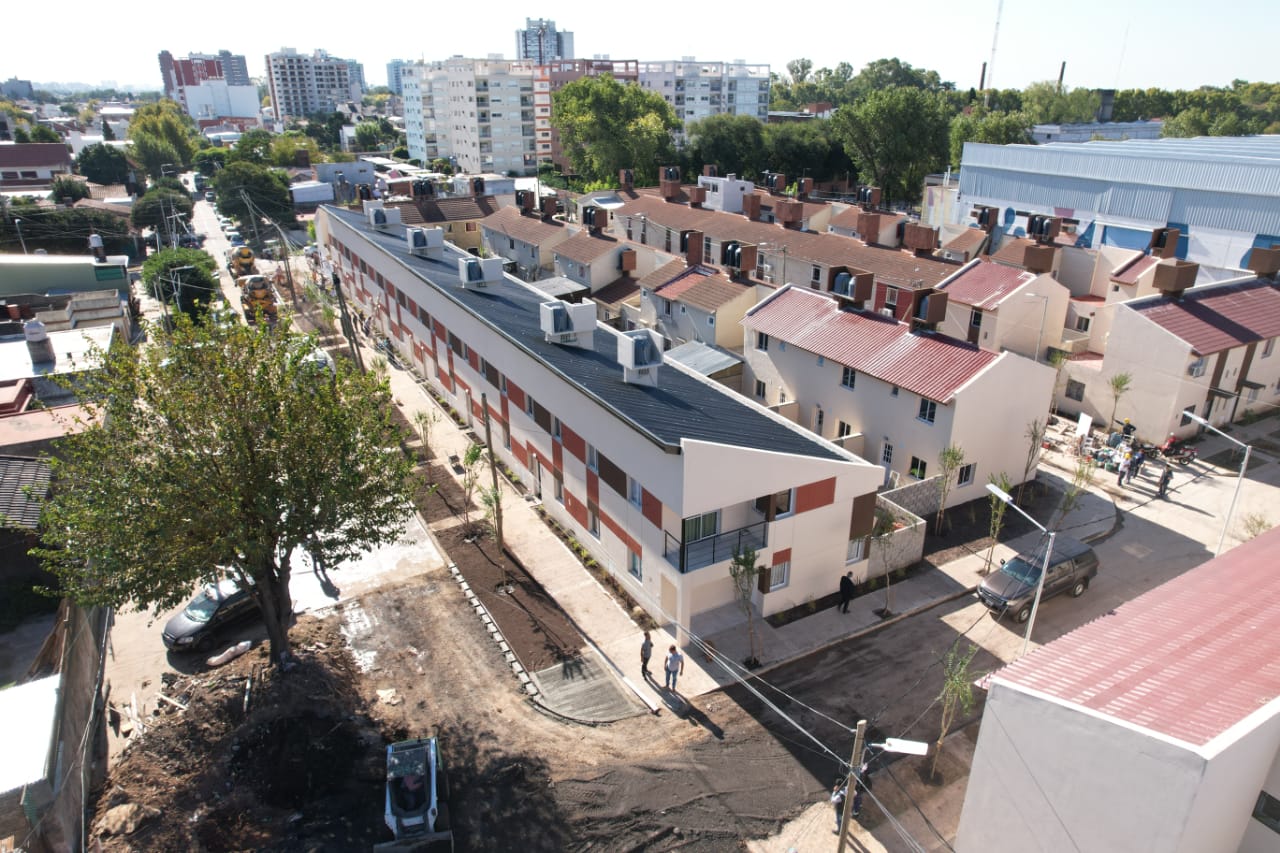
(720, 548)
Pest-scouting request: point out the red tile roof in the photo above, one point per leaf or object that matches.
(890, 266)
(663, 274)
(461, 209)
(527, 229)
(1012, 252)
(26, 155)
(930, 365)
(967, 241)
(1128, 272)
(584, 248)
(1216, 317)
(985, 284)
(619, 291)
(704, 288)
(409, 213)
(847, 218)
(1188, 660)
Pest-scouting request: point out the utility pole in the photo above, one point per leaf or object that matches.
(855, 765)
(348, 325)
(253, 218)
(497, 495)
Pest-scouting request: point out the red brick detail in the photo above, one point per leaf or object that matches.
(478, 412)
(413, 308)
(557, 456)
(473, 359)
(461, 384)
(506, 412)
(517, 450)
(441, 332)
(593, 487)
(620, 532)
(782, 556)
(652, 508)
(573, 443)
(816, 495)
(576, 508)
(516, 394)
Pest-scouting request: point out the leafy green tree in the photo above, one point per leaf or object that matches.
(42, 133)
(400, 153)
(65, 187)
(108, 135)
(156, 205)
(285, 148)
(895, 137)
(744, 569)
(164, 125)
(1045, 103)
(888, 73)
(326, 128)
(994, 128)
(66, 231)
(809, 147)
(209, 160)
(799, 69)
(216, 448)
(253, 146)
(949, 462)
(167, 277)
(103, 164)
(167, 182)
(606, 126)
(735, 143)
(21, 135)
(155, 155)
(368, 136)
(266, 189)
(956, 695)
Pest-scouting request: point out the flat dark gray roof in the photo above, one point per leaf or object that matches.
(679, 407)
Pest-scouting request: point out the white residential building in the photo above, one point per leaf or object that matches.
(1154, 727)
(1002, 308)
(542, 43)
(659, 472)
(217, 99)
(893, 395)
(697, 90)
(301, 85)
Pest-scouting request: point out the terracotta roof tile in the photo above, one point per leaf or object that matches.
(984, 284)
(527, 229)
(663, 274)
(1012, 252)
(409, 213)
(583, 247)
(1129, 271)
(1189, 659)
(704, 288)
(847, 218)
(102, 192)
(462, 209)
(933, 366)
(624, 290)
(1216, 317)
(25, 155)
(114, 209)
(24, 484)
(890, 266)
(968, 241)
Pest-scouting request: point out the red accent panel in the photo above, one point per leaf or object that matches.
(593, 487)
(441, 331)
(516, 394)
(517, 449)
(557, 456)
(478, 411)
(506, 412)
(573, 443)
(473, 359)
(620, 533)
(576, 508)
(652, 508)
(816, 495)
(782, 556)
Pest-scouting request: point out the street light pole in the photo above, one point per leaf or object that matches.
(1044, 570)
(1044, 316)
(18, 224)
(1244, 464)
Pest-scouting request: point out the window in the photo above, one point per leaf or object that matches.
(760, 389)
(593, 459)
(928, 410)
(1196, 368)
(502, 384)
(1268, 347)
(702, 526)
(1186, 420)
(891, 297)
(635, 492)
(528, 404)
(762, 341)
(1075, 390)
(1253, 395)
(975, 318)
(853, 553)
(886, 455)
(815, 274)
(1267, 811)
(666, 307)
(848, 377)
(843, 429)
(966, 474)
(893, 392)
(511, 244)
(781, 501)
(821, 361)
(780, 575)
(555, 428)
(1082, 324)
(559, 490)
(819, 418)
(706, 247)
(593, 522)
(711, 321)
(919, 467)
(633, 565)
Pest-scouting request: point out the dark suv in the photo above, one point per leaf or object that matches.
(1012, 589)
(214, 608)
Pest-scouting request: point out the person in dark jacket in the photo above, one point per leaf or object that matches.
(1165, 479)
(846, 591)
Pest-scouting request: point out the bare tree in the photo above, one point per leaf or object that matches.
(882, 540)
(1058, 361)
(956, 695)
(745, 571)
(472, 462)
(1119, 384)
(1081, 479)
(949, 461)
(998, 507)
(1035, 437)
(425, 420)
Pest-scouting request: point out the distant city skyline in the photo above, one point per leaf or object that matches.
(1134, 44)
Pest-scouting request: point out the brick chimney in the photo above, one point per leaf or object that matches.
(691, 246)
(1038, 259)
(1265, 263)
(751, 207)
(697, 196)
(788, 212)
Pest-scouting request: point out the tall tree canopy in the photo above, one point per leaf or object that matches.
(734, 143)
(221, 448)
(1045, 103)
(605, 126)
(253, 146)
(267, 190)
(186, 276)
(165, 127)
(895, 137)
(157, 204)
(996, 128)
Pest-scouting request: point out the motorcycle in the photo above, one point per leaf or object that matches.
(1182, 455)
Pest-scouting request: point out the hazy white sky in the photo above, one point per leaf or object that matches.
(1105, 43)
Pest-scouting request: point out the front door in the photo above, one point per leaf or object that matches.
(536, 470)
(886, 459)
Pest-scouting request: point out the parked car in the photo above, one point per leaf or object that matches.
(216, 607)
(417, 787)
(235, 238)
(191, 241)
(1012, 589)
(208, 195)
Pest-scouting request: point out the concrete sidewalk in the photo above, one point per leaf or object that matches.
(610, 631)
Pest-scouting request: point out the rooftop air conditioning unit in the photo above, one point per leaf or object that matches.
(569, 324)
(640, 354)
(886, 311)
(426, 242)
(478, 273)
(842, 284)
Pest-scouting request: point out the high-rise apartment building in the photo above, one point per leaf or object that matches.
(541, 42)
(210, 87)
(478, 112)
(700, 89)
(301, 85)
(394, 80)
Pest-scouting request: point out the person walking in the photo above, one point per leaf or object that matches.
(1135, 468)
(646, 652)
(1165, 479)
(846, 591)
(674, 667)
(837, 799)
(1122, 471)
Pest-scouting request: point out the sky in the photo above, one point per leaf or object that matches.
(1170, 44)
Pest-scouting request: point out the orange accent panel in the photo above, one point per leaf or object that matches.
(816, 495)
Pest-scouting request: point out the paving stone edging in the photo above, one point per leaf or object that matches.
(517, 669)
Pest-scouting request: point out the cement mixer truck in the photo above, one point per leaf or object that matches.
(257, 298)
(241, 262)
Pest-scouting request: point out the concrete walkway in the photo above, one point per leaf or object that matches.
(614, 639)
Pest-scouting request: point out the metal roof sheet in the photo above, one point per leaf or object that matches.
(680, 407)
(984, 284)
(927, 364)
(1132, 270)
(1216, 317)
(1188, 660)
(24, 484)
(703, 358)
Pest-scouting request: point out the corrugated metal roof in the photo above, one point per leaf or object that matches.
(1228, 183)
(967, 241)
(1189, 659)
(984, 284)
(1130, 271)
(24, 484)
(1216, 317)
(930, 365)
(703, 358)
